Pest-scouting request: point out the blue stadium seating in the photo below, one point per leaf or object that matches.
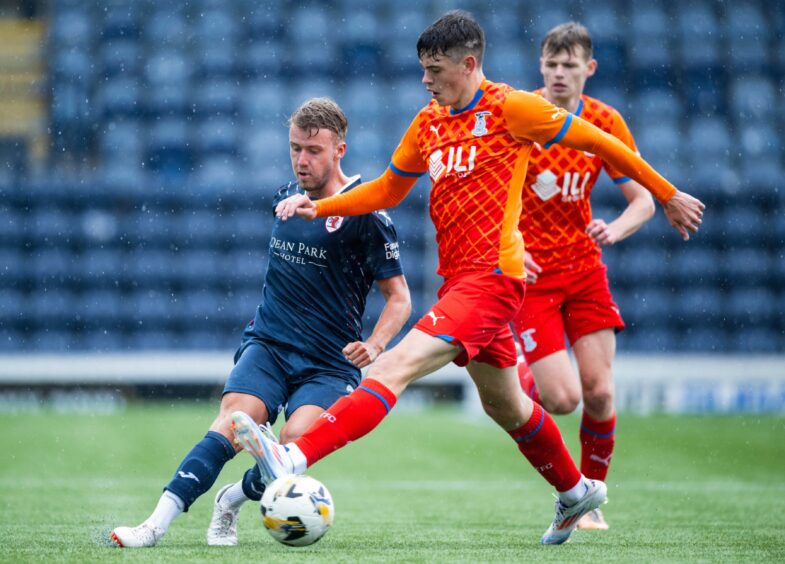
(169, 138)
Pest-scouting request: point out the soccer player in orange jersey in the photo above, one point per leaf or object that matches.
(567, 288)
(474, 141)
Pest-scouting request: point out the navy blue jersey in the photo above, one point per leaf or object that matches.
(318, 277)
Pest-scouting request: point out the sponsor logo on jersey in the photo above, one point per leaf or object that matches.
(480, 127)
(455, 161)
(333, 223)
(545, 186)
(529, 344)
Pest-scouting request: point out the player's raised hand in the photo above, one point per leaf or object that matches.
(533, 270)
(684, 213)
(299, 204)
(602, 233)
(361, 354)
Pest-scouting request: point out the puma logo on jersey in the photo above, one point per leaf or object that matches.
(558, 113)
(434, 317)
(604, 461)
(435, 128)
(188, 476)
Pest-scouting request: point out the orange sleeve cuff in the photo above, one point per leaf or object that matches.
(585, 137)
(383, 192)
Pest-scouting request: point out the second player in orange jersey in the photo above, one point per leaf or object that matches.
(568, 291)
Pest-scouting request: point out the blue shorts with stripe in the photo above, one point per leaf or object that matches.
(285, 379)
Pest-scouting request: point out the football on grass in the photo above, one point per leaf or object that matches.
(297, 510)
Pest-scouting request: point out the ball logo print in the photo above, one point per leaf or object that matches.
(297, 510)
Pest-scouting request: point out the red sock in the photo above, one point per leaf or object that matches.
(541, 443)
(528, 384)
(597, 438)
(346, 420)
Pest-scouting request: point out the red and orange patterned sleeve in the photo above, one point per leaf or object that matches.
(620, 130)
(533, 118)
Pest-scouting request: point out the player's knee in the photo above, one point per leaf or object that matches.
(291, 432)
(561, 402)
(598, 400)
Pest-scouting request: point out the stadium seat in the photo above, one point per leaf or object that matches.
(703, 339)
(262, 59)
(217, 96)
(121, 20)
(168, 66)
(99, 308)
(748, 34)
(119, 97)
(752, 306)
(100, 267)
(757, 340)
(700, 303)
(746, 266)
(752, 98)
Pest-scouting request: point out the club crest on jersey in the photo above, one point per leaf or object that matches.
(435, 165)
(480, 127)
(333, 223)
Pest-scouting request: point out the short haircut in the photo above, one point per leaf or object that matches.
(566, 37)
(454, 35)
(320, 113)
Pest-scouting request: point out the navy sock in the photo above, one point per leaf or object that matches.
(253, 488)
(200, 467)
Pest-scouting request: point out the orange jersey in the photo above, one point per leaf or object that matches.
(556, 208)
(476, 158)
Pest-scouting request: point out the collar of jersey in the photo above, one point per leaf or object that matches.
(351, 183)
(471, 104)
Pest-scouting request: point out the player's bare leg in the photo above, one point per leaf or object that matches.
(541, 443)
(353, 416)
(558, 386)
(594, 353)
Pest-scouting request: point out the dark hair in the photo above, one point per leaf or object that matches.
(455, 35)
(320, 113)
(566, 37)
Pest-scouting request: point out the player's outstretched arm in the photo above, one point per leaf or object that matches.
(299, 204)
(397, 308)
(640, 208)
(683, 211)
(384, 192)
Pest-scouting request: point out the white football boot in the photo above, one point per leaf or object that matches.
(567, 516)
(223, 525)
(593, 520)
(271, 457)
(143, 536)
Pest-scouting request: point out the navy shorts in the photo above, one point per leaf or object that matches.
(286, 380)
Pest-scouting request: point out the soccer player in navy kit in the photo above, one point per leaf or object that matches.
(303, 350)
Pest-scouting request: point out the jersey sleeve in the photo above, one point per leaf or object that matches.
(407, 159)
(620, 131)
(382, 251)
(533, 118)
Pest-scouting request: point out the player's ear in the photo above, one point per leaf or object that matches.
(340, 149)
(592, 67)
(469, 63)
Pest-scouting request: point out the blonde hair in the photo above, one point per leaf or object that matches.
(320, 113)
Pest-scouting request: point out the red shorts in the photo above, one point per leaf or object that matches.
(575, 303)
(474, 312)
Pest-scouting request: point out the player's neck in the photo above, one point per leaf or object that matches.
(334, 185)
(475, 81)
(570, 104)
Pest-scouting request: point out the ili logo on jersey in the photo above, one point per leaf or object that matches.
(333, 223)
(480, 127)
(529, 344)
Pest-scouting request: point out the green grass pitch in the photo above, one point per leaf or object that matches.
(438, 486)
